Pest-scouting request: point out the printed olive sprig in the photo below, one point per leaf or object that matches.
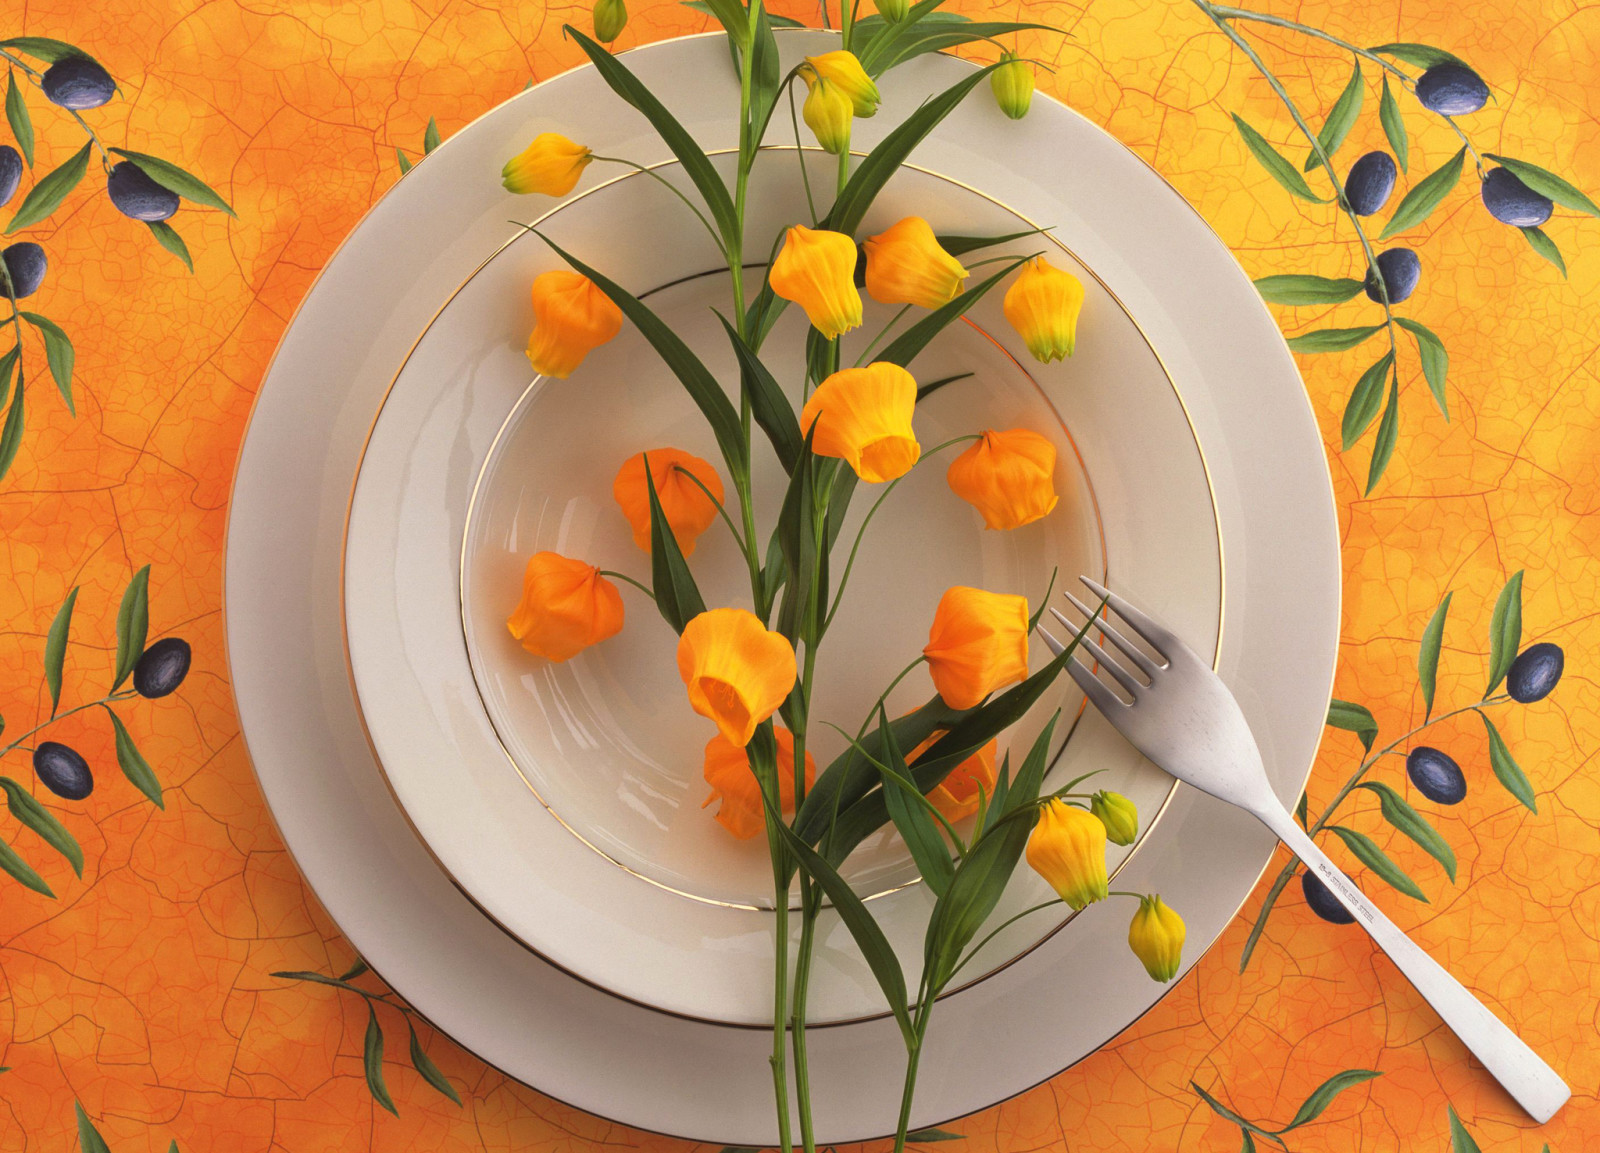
(1528, 676)
(1310, 1109)
(89, 1139)
(1515, 192)
(155, 671)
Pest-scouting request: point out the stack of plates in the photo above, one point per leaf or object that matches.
(519, 848)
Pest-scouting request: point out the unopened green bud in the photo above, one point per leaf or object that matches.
(828, 113)
(1012, 83)
(893, 11)
(610, 18)
(1118, 814)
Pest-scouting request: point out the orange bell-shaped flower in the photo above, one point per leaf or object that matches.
(905, 265)
(978, 643)
(1007, 476)
(551, 165)
(689, 511)
(737, 671)
(729, 774)
(1068, 849)
(1043, 306)
(572, 318)
(956, 797)
(816, 269)
(863, 415)
(566, 607)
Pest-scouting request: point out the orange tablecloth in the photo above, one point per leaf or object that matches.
(143, 990)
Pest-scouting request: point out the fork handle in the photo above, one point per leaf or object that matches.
(1537, 1087)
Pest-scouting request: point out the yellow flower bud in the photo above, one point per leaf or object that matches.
(1119, 815)
(551, 165)
(1012, 84)
(610, 18)
(828, 114)
(844, 71)
(816, 269)
(1156, 938)
(863, 416)
(1043, 307)
(1068, 849)
(905, 265)
(893, 11)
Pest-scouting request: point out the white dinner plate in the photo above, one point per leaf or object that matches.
(600, 1052)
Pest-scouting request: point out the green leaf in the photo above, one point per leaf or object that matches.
(677, 596)
(911, 818)
(46, 196)
(1399, 812)
(891, 152)
(768, 404)
(1422, 55)
(797, 538)
(1275, 164)
(730, 13)
(696, 379)
(403, 161)
(354, 971)
(1506, 769)
(58, 353)
(1425, 196)
(430, 136)
(26, 808)
(1297, 288)
(904, 348)
(906, 40)
(1301, 807)
(22, 871)
(1428, 654)
(961, 245)
(1364, 401)
(928, 1136)
(1547, 183)
(430, 1072)
(1460, 1140)
(55, 649)
(1394, 126)
(372, 1061)
(1540, 242)
(695, 163)
(1378, 861)
(1227, 1114)
(1435, 360)
(133, 625)
(1322, 1096)
(1353, 718)
(7, 363)
(1505, 631)
(89, 1139)
(1388, 433)
(1333, 339)
(765, 77)
(175, 179)
(44, 48)
(167, 236)
(1341, 118)
(11, 435)
(133, 764)
(926, 390)
(315, 978)
(17, 114)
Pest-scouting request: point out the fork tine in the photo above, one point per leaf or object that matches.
(1163, 641)
(1110, 665)
(1094, 688)
(1146, 665)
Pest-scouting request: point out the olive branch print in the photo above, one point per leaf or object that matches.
(1516, 192)
(155, 671)
(142, 187)
(89, 1139)
(1527, 676)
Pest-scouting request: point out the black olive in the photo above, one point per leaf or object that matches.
(61, 770)
(1535, 672)
(1370, 183)
(1323, 903)
(1436, 775)
(1452, 89)
(77, 82)
(162, 668)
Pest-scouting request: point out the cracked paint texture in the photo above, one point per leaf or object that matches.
(144, 991)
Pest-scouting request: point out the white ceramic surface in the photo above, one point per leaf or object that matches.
(596, 1051)
(607, 747)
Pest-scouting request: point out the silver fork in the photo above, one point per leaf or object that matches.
(1183, 718)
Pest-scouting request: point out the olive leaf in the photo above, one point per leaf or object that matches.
(17, 115)
(133, 625)
(910, 816)
(44, 48)
(58, 354)
(768, 404)
(1422, 55)
(677, 596)
(1428, 654)
(904, 348)
(354, 971)
(55, 649)
(1322, 1096)
(22, 871)
(1301, 288)
(1378, 861)
(928, 1136)
(1353, 718)
(1540, 242)
(1506, 769)
(1547, 183)
(403, 161)
(1274, 162)
(1227, 1114)
(11, 434)
(430, 136)
(423, 1064)
(372, 1061)
(1388, 433)
(167, 236)
(133, 764)
(1427, 195)
(1333, 339)
(175, 179)
(315, 978)
(1460, 1140)
(1435, 360)
(89, 1139)
(46, 196)
(1505, 631)
(1399, 812)
(26, 808)
(1394, 126)
(1341, 118)
(1364, 401)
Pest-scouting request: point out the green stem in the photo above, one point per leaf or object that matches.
(780, 998)
(42, 725)
(1006, 924)
(913, 1056)
(883, 332)
(676, 191)
(744, 547)
(800, 158)
(622, 576)
(809, 908)
(36, 77)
